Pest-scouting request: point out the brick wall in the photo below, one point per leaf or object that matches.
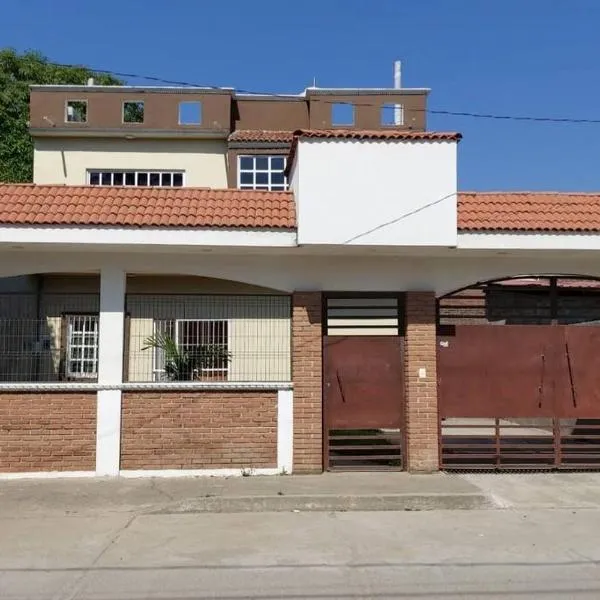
(307, 376)
(199, 430)
(421, 392)
(47, 432)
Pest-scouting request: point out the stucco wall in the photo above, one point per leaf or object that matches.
(345, 188)
(66, 161)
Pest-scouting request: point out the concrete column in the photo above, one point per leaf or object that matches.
(421, 382)
(110, 370)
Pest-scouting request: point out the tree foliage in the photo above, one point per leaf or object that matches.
(17, 73)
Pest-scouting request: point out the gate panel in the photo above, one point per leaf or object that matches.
(363, 401)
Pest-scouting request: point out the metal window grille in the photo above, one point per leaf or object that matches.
(136, 178)
(189, 337)
(262, 172)
(82, 346)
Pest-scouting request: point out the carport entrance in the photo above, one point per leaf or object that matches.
(519, 375)
(363, 383)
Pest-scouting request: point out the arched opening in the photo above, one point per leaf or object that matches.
(519, 374)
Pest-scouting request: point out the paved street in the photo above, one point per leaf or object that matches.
(543, 543)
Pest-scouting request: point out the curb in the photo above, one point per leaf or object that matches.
(329, 503)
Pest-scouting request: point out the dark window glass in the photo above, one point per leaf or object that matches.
(177, 179)
(142, 179)
(246, 162)
(154, 179)
(262, 178)
(94, 178)
(278, 188)
(129, 178)
(106, 178)
(247, 178)
(262, 162)
(165, 179)
(277, 163)
(277, 178)
(117, 178)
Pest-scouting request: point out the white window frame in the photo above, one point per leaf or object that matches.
(254, 186)
(136, 175)
(91, 325)
(171, 327)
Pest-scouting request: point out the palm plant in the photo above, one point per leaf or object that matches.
(187, 365)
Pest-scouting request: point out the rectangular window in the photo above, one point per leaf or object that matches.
(342, 113)
(262, 172)
(190, 113)
(133, 112)
(392, 115)
(81, 359)
(136, 178)
(76, 111)
(202, 350)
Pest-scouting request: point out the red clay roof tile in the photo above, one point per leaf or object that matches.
(262, 136)
(378, 134)
(528, 211)
(28, 204)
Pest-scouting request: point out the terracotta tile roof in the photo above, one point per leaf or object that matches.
(528, 211)
(262, 136)
(381, 134)
(28, 204)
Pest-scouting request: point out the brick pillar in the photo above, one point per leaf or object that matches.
(307, 377)
(421, 382)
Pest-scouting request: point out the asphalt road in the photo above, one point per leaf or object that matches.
(511, 553)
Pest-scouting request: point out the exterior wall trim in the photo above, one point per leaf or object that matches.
(146, 236)
(133, 474)
(528, 240)
(150, 386)
(47, 475)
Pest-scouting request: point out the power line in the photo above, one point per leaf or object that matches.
(403, 216)
(449, 113)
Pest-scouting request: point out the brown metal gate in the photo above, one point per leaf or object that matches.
(519, 396)
(363, 384)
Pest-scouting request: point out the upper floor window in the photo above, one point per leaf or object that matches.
(262, 172)
(137, 178)
(133, 112)
(76, 111)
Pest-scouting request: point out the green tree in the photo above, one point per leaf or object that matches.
(17, 73)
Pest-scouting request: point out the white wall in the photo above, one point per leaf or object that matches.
(287, 273)
(345, 188)
(66, 160)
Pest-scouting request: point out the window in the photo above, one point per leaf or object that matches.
(262, 172)
(76, 111)
(202, 347)
(81, 360)
(136, 178)
(190, 113)
(133, 112)
(342, 113)
(392, 114)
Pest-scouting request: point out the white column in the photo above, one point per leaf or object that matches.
(110, 370)
(285, 431)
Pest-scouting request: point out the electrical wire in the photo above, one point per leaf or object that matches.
(469, 114)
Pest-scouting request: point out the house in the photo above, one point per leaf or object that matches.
(201, 281)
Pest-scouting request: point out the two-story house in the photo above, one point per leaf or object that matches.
(201, 281)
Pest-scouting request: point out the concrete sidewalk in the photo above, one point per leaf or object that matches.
(328, 492)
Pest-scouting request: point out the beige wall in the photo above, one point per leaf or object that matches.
(66, 160)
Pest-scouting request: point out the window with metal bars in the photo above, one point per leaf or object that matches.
(81, 360)
(262, 172)
(137, 178)
(202, 349)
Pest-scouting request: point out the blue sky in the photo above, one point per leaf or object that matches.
(521, 57)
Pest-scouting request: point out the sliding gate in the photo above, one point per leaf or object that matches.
(519, 375)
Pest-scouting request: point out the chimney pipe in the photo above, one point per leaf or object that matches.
(398, 108)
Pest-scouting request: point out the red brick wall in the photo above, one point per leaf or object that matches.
(47, 432)
(199, 430)
(307, 376)
(421, 393)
